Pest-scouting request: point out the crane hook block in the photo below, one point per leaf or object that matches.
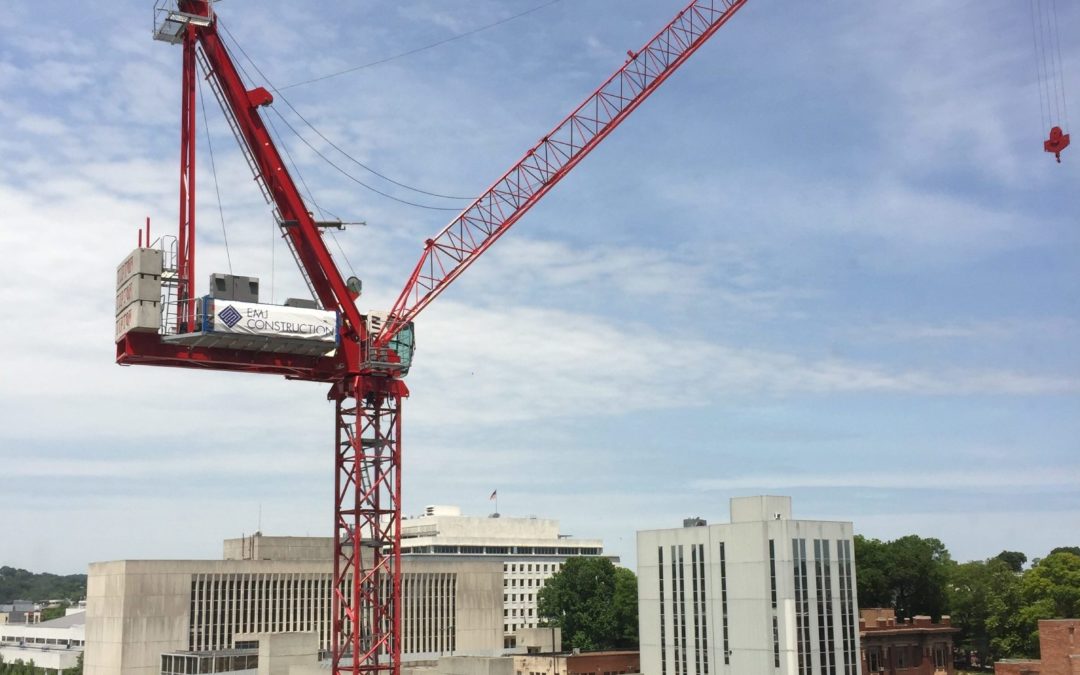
(1058, 141)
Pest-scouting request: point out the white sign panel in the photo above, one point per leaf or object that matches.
(273, 321)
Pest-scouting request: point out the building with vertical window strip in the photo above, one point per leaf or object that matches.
(531, 550)
(761, 595)
(145, 617)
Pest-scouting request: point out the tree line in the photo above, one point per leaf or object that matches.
(995, 603)
(19, 584)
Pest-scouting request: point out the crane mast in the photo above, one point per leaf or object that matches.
(366, 368)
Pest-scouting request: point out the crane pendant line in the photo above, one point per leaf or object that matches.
(460, 243)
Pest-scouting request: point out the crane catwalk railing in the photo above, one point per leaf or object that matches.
(450, 252)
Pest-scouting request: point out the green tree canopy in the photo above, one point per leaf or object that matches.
(19, 584)
(1014, 559)
(909, 574)
(1075, 550)
(593, 602)
(1049, 590)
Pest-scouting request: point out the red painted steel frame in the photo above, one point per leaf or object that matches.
(306, 238)
(185, 250)
(367, 510)
(367, 525)
(461, 242)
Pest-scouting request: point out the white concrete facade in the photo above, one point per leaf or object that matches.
(53, 645)
(531, 551)
(761, 595)
(139, 610)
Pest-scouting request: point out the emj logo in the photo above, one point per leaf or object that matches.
(230, 316)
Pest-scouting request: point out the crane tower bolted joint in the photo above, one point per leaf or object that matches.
(162, 321)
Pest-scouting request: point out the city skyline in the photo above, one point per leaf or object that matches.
(828, 259)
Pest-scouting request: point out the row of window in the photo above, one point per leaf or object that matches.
(514, 611)
(847, 607)
(513, 597)
(40, 641)
(904, 657)
(514, 583)
(802, 607)
(223, 605)
(544, 568)
(823, 570)
(503, 550)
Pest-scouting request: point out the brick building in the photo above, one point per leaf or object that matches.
(1059, 647)
(909, 647)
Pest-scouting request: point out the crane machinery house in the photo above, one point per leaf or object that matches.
(229, 316)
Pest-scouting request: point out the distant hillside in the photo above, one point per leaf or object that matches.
(16, 584)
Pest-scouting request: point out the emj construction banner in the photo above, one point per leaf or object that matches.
(272, 321)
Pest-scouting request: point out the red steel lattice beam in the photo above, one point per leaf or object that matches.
(367, 526)
(461, 242)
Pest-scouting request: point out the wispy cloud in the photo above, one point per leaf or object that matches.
(1024, 477)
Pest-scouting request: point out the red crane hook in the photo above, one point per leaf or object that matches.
(1058, 141)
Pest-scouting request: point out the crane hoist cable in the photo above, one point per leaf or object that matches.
(351, 177)
(311, 197)
(352, 159)
(417, 50)
(1049, 74)
(213, 170)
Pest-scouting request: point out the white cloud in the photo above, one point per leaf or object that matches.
(973, 478)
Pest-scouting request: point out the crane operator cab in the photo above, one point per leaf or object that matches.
(396, 357)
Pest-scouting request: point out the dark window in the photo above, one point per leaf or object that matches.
(663, 632)
(723, 604)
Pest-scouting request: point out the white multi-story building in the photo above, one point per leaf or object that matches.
(531, 551)
(761, 595)
(52, 645)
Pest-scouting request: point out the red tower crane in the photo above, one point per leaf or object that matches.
(364, 357)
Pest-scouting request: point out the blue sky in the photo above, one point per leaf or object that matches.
(826, 259)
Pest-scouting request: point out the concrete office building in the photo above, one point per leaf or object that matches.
(53, 645)
(530, 550)
(145, 617)
(761, 595)
(20, 611)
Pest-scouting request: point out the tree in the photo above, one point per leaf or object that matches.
(54, 612)
(1014, 559)
(985, 602)
(19, 584)
(592, 602)
(1075, 550)
(872, 570)
(1004, 628)
(908, 574)
(1050, 590)
(919, 576)
(626, 608)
